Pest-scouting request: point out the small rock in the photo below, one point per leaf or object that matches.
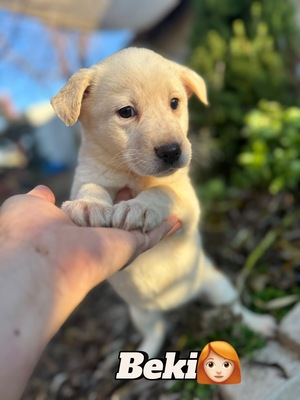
(273, 367)
(58, 381)
(289, 330)
(258, 382)
(276, 354)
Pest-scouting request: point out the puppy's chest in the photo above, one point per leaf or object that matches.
(115, 183)
(114, 180)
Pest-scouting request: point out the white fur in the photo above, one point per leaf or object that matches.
(118, 152)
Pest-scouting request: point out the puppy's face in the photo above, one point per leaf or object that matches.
(133, 108)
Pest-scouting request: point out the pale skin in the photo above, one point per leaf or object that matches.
(218, 368)
(47, 266)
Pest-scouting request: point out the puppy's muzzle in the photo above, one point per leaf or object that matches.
(169, 153)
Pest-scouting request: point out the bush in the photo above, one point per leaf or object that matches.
(246, 52)
(271, 155)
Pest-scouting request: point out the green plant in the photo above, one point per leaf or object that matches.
(244, 341)
(271, 154)
(246, 52)
(190, 390)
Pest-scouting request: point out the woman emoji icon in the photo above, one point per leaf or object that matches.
(218, 363)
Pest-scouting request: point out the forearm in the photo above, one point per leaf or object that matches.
(32, 310)
(47, 266)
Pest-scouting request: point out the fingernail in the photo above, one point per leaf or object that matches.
(175, 225)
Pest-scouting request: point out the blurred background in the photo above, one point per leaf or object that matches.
(246, 164)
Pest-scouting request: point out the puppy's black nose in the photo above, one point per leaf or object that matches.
(169, 153)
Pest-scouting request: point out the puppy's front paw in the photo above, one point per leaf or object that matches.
(133, 214)
(86, 213)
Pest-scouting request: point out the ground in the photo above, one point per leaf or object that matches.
(257, 234)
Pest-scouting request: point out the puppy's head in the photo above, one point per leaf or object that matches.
(133, 109)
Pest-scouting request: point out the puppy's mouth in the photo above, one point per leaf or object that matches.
(155, 169)
(166, 172)
(159, 161)
(170, 157)
(164, 161)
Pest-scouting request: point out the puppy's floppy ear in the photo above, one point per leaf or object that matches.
(194, 84)
(67, 102)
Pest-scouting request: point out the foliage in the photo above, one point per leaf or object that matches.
(244, 341)
(271, 154)
(269, 293)
(190, 390)
(246, 52)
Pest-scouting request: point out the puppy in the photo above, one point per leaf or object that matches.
(133, 110)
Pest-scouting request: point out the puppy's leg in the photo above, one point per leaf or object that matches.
(92, 206)
(219, 291)
(152, 326)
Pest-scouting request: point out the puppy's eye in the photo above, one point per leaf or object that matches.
(174, 103)
(127, 112)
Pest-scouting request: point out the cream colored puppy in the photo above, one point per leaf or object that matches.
(133, 110)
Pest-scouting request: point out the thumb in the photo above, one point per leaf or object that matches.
(43, 192)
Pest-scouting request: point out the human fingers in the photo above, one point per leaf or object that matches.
(123, 195)
(114, 249)
(43, 192)
(146, 241)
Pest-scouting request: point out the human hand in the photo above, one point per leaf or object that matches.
(34, 224)
(47, 266)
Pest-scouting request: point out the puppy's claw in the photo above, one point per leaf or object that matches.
(133, 214)
(85, 213)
